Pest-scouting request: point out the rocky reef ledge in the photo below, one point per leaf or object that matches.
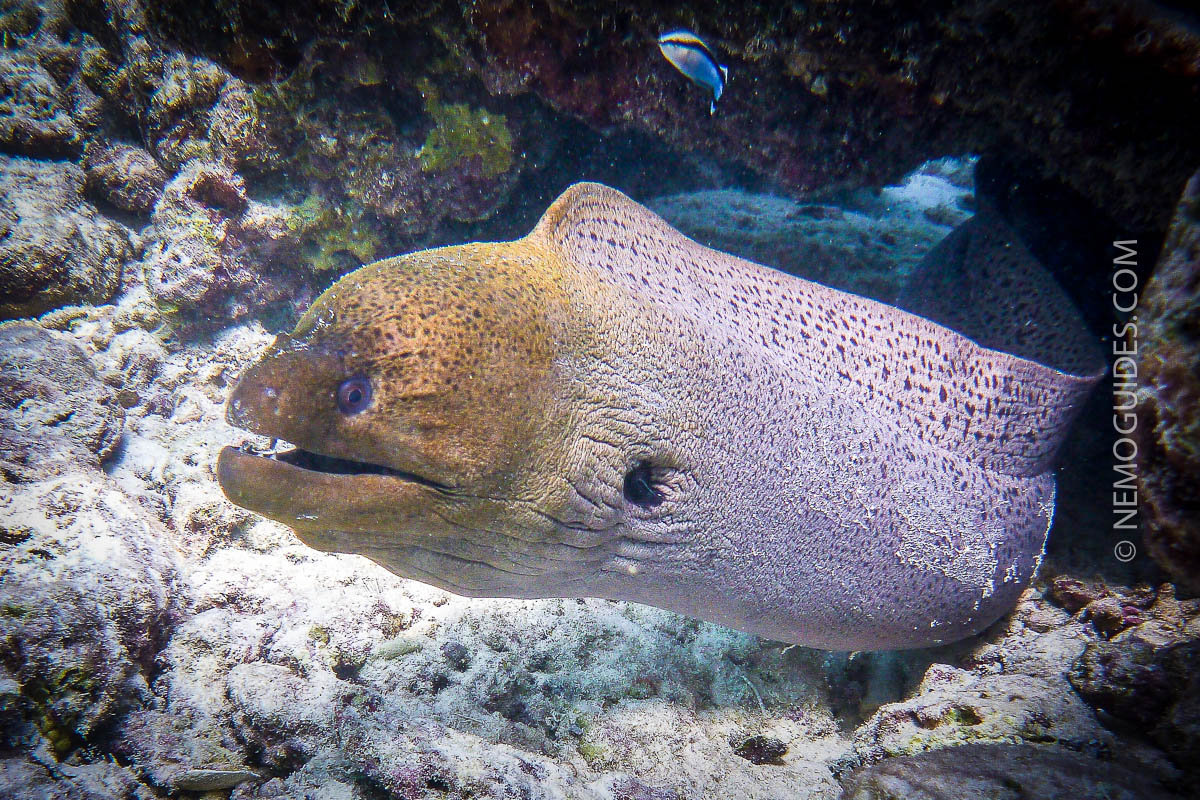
(248, 152)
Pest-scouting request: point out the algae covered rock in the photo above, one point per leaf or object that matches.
(383, 157)
(1168, 427)
(35, 117)
(954, 707)
(84, 605)
(209, 256)
(51, 401)
(1133, 680)
(1001, 772)
(124, 175)
(55, 248)
(1145, 677)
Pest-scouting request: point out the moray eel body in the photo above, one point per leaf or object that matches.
(608, 409)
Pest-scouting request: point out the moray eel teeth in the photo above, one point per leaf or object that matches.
(331, 465)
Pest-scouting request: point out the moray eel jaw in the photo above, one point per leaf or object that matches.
(332, 479)
(348, 502)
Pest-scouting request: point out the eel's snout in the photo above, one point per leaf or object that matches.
(289, 395)
(248, 402)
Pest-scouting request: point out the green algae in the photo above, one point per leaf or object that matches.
(14, 610)
(461, 133)
(328, 233)
(592, 752)
(53, 719)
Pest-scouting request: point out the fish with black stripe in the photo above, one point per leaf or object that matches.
(688, 53)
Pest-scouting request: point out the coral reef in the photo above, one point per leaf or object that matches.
(999, 772)
(858, 92)
(331, 240)
(125, 176)
(51, 401)
(55, 248)
(1168, 431)
(859, 95)
(397, 153)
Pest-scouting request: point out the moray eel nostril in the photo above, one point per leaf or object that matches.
(606, 408)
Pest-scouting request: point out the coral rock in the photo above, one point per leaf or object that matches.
(84, 603)
(1127, 680)
(759, 749)
(125, 176)
(237, 131)
(55, 248)
(1168, 423)
(1154, 688)
(1073, 594)
(209, 254)
(979, 709)
(1000, 772)
(100, 781)
(34, 115)
(51, 401)
(178, 109)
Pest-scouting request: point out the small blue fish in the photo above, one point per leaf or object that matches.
(691, 56)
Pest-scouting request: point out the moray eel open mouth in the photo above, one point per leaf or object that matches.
(316, 494)
(309, 461)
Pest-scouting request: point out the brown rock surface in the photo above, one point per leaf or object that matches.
(1169, 398)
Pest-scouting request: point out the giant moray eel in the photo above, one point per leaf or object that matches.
(606, 408)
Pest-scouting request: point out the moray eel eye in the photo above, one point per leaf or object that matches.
(639, 487)
(353, 395)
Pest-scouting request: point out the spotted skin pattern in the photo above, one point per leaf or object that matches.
(832, 471)
(857, 477)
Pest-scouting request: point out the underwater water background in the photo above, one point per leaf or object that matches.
(180, 182)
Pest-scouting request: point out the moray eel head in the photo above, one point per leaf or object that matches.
(406, 393)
